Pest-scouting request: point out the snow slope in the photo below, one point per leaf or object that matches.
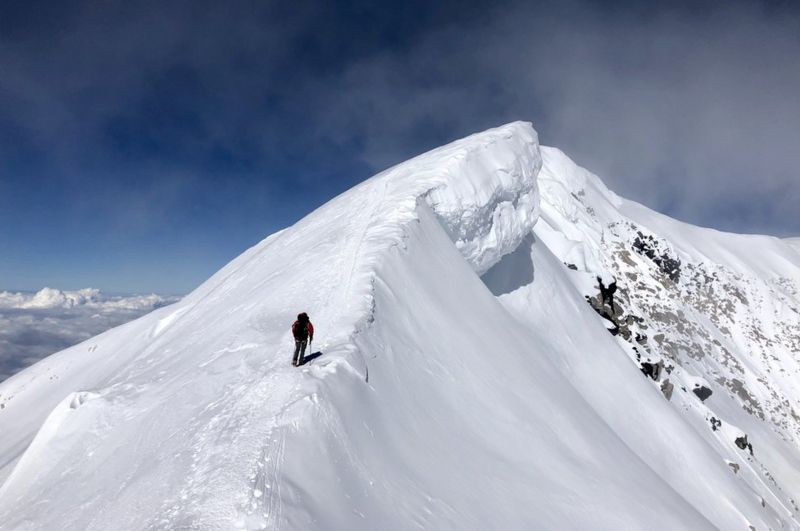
(463, 382)
(717, 311)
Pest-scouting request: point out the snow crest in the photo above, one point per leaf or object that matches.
(201, 393)
(459, 379)
(491, 202)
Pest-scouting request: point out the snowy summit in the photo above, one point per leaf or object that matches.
(500, 343)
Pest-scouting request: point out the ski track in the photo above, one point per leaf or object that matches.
(271, 392)
(239, 437)
(268, 478)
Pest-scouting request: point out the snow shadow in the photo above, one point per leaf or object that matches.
(311, 357)
(513, 271)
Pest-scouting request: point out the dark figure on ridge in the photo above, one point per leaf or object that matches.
(607, 293)
(303, 332)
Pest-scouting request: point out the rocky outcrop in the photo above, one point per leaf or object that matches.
(667, 387)
(744, 444)
(652, 370)
(647, 246)
(702, 392)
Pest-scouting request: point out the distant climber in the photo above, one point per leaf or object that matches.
(607, 293)
(612, 289)
(303, 332)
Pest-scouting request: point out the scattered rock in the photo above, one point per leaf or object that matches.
(667, 387)
(742, 443)
(647, 246)
(653, 370)
(571, 266)
(702, 392)
(715, 423)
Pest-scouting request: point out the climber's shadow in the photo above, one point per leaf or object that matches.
(312, 357)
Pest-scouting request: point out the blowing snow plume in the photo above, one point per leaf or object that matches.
(467, 377)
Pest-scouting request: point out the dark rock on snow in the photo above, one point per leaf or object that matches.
(702, 392)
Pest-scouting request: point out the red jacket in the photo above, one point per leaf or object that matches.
(301, 333)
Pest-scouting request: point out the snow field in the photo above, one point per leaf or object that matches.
(435, 404)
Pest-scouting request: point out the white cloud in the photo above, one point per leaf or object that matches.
(692, 111)
(35, 325)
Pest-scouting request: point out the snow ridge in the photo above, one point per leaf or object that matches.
(462, 380)
(229, 338)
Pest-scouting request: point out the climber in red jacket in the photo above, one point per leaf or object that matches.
(303, 332)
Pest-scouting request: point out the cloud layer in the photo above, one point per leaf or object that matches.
(691, 110)
(35, 325)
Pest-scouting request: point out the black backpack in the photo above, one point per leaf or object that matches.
(300, 330)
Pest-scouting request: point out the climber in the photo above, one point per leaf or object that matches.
(612, 289)
(607, 293)
(303, 332)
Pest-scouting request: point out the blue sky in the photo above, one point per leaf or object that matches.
(143, 145)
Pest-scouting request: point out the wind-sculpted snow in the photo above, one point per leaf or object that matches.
(194, 393)
(488, 218)
(429, 403)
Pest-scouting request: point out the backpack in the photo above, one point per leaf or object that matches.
(300, 330)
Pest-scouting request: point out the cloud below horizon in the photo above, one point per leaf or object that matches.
(35, 325)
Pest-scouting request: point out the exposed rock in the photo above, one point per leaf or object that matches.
(653, 370)
(734, 467)
(715, 423)
(606, 306)
(648, 246)
(702, 392)
(607, 293)
(667, 387)
(742, 443)
(749, 402)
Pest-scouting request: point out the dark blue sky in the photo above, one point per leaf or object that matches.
(145, 144)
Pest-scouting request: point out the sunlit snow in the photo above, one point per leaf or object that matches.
(465, 376)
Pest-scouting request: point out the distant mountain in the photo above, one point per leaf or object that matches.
(501, 343)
